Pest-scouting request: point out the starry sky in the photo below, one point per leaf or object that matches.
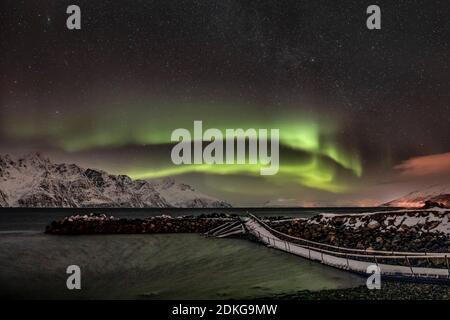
(363, 114)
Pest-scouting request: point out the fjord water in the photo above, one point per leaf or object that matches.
(169, 266)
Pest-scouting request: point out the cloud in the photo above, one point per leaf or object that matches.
(431, 165)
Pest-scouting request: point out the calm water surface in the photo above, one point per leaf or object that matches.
(174, 266)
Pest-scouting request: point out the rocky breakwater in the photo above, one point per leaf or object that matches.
(403, 230)
(103, 224)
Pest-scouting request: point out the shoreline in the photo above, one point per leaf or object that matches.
(390, 290)
(416, 230)
(103, 224)
(403, 230)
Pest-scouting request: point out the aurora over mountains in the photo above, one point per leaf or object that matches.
(311, 156)
(352, 105)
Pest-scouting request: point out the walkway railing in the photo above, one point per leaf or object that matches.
(392, 263)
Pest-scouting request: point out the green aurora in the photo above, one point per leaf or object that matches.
(310, 154)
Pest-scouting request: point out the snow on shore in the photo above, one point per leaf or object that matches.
(426, 220)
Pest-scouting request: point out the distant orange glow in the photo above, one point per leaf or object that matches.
(426, 165)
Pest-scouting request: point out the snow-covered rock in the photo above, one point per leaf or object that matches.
(439, 194)
(181, 195)
(34, 181)
(421, 220)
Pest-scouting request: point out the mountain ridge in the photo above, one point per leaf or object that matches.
(34, 181)
(436, 193)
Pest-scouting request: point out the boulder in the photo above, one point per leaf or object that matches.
(379, 240)
(373, 224)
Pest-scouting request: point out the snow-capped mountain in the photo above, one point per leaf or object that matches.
(439, 194)
(34, 181)
(181, 195)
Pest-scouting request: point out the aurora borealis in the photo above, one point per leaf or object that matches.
(353, 106)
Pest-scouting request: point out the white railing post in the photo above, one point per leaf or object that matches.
(448, 267)
(410, 266)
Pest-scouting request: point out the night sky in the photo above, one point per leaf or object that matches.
(363, 114)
